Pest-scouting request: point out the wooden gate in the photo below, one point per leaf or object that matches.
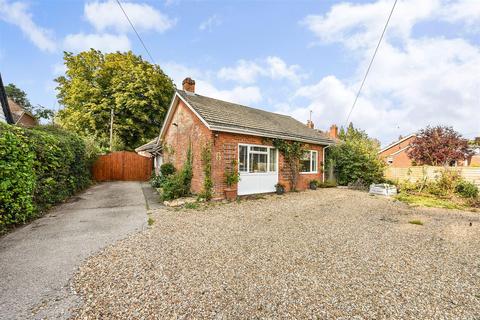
(122, 165)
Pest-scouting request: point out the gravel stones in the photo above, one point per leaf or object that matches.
(328, 254)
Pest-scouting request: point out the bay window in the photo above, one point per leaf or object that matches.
(309, 162)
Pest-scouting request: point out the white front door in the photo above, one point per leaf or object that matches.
(258, 167)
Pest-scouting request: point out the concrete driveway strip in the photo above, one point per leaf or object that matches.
(38, 260)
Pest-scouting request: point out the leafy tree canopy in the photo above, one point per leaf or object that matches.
(19, 96)
(95, 83)
(355, 158)
(438, 146)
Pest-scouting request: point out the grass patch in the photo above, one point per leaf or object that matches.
(192, 205)
(428, 201)
(417, 222)
(150, 221)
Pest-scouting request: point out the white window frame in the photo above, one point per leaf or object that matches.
(249, 146)
(312, 152)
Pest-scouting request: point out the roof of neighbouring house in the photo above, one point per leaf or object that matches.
(397, 142)
(7, 114)
(151, 147)
(19, 112)
(231, 117)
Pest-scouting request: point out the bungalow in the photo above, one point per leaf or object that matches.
(21, 116)
(240, 133)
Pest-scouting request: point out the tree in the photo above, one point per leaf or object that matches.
(19, 96)
(439, 145)
(95, 83)
(355, 158)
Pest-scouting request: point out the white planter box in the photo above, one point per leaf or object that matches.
(383, 189)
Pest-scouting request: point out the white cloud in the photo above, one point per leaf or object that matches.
(204, 84)
(247, 71)
(466, 11)
(210, 23)
(108, 16)
(244, 71)
(104, 42)
(17, 13)
(414, 82)
(360, 25)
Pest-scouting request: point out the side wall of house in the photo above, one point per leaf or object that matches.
(401, 159)
(225, 149)
(189, 129)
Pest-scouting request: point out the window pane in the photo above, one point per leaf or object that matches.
(242, 159)
(305, 162)
(314, 161)
(262, 149)
(258, 162)
(273, 160)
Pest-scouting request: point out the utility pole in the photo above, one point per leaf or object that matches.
(111, 129)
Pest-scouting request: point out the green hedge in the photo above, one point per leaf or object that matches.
(39, 168)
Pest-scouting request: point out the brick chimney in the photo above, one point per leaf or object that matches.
(188, 85)
(310, 124)
(333, 133)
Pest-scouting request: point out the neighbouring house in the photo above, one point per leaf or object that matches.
(240, 133)
(5, 113)
(21, 116)
(152, 149)
(396, 153)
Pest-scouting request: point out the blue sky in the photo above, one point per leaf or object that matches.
(283, 56)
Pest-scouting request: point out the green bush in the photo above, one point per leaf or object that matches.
(327, 184)
(156, 181)
(466, 189)
(39, 168)
(17, 174)
(167, 169)
(178, 185)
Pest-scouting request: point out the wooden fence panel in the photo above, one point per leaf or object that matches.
(122, 165)
(413, 174)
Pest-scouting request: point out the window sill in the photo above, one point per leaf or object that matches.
(313, 172)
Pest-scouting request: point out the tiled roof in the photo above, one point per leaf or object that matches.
(226, 116)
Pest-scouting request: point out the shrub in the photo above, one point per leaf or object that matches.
(178, 185)
(445, 184)
(466, 189)
(39, 168)
(327, 184)
(356, 158)
(232, 176)
(17, 177)
(167, 169)
(156, 180)
(207, 192)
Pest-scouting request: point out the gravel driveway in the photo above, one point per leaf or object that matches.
(326, 254)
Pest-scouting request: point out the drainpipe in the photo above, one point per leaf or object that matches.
(323, 164)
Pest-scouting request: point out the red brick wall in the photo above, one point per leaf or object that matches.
(401, 159)
(190, 130)
(224, 150)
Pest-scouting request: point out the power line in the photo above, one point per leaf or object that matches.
(370, 65)
(138, 35)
